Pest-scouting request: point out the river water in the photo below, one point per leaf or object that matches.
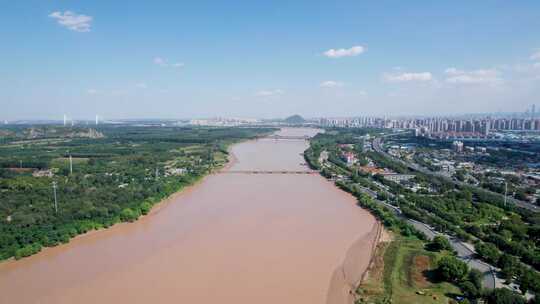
(233, 238)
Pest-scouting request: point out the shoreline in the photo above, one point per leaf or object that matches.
(355, 265)
(346, 234)
(156, 209)
(231, 160)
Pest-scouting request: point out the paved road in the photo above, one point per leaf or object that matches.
(489, 279)
(463, 252)
(373, 196)
(377, 146)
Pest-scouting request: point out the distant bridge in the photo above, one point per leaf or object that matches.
(288, 137)
(269, 172)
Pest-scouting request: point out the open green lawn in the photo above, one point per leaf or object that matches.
(192, 149)
(402, 275)
(221, 157)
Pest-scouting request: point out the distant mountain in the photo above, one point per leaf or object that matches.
(295, 119)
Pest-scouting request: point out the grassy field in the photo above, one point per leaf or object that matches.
(221, 157)
(401, 273)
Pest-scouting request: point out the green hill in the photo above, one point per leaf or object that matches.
(295, 119)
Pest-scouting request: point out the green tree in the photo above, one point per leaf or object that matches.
(439, 243)
(509, 266)
(128, 215)
(145, 208)
(489, 252)
(451, 269)
(528, 281)
(27, 250)
(475, 277)
(469, 290)
(504, 296)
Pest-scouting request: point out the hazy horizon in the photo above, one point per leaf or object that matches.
(172, 60)
(115, 118)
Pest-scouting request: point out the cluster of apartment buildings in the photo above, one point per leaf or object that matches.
(357, 122)
(440, 127)
(433, 126)
(459, 147)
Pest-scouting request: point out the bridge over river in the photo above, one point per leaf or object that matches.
(269, 172)
(275, 136)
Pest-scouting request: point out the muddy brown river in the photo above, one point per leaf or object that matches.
(233, 238)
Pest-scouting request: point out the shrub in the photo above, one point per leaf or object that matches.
(504, 296)
(451, 269)
(439, 243)
(128, 215)
(27, 250)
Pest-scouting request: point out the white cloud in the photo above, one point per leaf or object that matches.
(362, 93)
(338, 53)
(72, 21)
(162, 62)
(407, 77)
(536, 65)
(535, 56)
(269, 93)
(91, 91)
(331, 84)
(482, 76)
(141, 85)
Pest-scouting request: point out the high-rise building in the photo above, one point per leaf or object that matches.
(457, 146)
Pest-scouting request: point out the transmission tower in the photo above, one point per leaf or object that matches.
(54, 184)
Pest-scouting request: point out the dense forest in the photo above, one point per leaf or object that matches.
(117, 174)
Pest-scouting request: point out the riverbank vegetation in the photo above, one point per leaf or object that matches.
(495, 229)
(117, 174)
(405, 273)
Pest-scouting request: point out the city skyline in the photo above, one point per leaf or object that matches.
(346, 59)
(530, 113)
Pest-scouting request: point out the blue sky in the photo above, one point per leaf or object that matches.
(176, 59)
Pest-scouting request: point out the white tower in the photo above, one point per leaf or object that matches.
(65, 120)
(97, 120)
